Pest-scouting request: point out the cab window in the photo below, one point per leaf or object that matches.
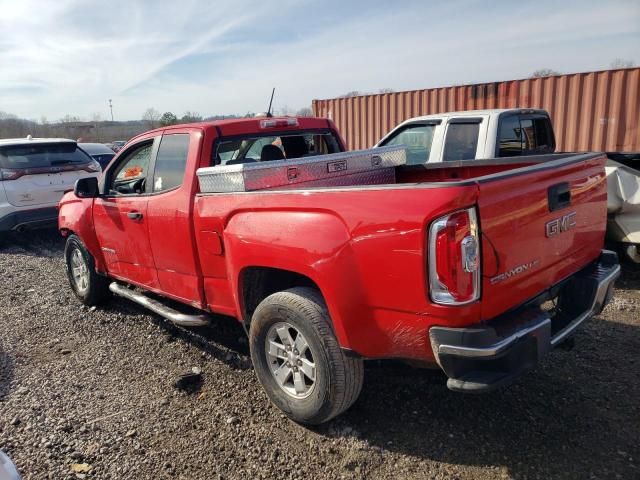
(130, 176)
(510, 137)
(461, 141)
(251, 149)
(522, 135)
(417, 139)
(171, 162)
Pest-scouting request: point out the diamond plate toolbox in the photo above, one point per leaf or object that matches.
(362, 167)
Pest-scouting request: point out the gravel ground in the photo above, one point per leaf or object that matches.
(89, 393)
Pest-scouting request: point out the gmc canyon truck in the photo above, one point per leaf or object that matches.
(328, 257)
(498, 133)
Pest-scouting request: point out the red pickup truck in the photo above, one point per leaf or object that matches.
(329, 257)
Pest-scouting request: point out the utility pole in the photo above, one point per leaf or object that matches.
(111, 108)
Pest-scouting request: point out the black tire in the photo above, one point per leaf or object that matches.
(630, 255)
(97, 286)
(338, 377)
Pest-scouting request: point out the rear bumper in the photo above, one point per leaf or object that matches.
(494, 354)
(33, 218)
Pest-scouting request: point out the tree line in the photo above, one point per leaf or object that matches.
(96, 129)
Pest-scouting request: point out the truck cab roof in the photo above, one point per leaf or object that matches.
(239, 126)
(476, 113)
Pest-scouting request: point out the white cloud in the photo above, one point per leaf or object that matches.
(202, 56)
(76, 58)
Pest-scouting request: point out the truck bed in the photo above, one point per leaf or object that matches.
(364, 245)
(374, 167)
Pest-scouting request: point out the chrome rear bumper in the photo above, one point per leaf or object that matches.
(485, 357)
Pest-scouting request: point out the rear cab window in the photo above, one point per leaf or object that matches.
(171, 161)
(42, 155)
(461, 139)
(524, 134)
(417, 138)
(263, 148)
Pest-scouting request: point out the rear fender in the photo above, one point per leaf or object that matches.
(314, 244)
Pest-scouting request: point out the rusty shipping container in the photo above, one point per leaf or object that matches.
(591, 111)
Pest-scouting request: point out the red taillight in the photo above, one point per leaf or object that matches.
(91, 167)
(454, 258)
(11, 173)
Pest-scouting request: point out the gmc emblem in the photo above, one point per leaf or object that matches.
(559, 225)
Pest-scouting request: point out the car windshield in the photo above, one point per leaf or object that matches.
(252, 149)
(41, 155)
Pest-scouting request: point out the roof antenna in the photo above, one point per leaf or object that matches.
(269, 114)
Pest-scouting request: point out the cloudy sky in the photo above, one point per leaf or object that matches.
(70, 56)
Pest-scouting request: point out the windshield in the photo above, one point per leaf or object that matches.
(41, 155)
(252, 149)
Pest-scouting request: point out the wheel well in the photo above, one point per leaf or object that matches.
(257, 283)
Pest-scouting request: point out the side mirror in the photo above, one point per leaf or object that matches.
(86, 188)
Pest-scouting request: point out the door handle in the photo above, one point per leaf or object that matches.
(134, 215)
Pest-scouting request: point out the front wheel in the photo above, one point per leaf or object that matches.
(298, 360)
(89, 286)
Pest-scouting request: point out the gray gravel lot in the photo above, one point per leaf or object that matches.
(93, 390)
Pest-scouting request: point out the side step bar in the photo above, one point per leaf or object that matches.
(169, 313)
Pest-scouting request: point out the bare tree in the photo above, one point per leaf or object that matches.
(353, 93)
(151, 118)
(70, 119)
(545, 72)
(357, 93)
(305, 112)
(44, 127)
(621, 63)
(96, 120)
(285, 110)
(12, 127)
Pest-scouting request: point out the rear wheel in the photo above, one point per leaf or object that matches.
(90, 287)
(298, 360)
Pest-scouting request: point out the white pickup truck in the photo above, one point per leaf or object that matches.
(473, 135)
(483, 134)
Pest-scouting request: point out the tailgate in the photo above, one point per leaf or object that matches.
(44, 188)
(540, 224)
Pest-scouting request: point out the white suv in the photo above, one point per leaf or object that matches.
(34, 174)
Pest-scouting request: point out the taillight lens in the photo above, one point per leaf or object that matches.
(92, 167)
(11, 173)
(454, 258)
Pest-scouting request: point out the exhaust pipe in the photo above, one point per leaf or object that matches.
(155, 306)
